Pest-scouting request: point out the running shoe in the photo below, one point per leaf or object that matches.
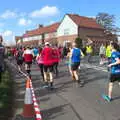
(107, 98)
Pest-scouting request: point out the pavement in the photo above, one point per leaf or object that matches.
(68, 101)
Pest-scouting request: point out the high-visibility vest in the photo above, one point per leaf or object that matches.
(108, 51)
(89, 49)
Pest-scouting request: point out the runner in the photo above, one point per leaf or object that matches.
(56, 59)
(75, 56)
(19, 58)
(89, 52)
(2, 52)
(28, 57)
(69, 61)
(47, 54)
(115, 69)
(39, 60)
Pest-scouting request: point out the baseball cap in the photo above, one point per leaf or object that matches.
(47, 43)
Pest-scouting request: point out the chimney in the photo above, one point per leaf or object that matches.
(40, 26)
(26, 31)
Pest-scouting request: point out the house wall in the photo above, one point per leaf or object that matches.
(84, 32)
(67, 31)
(51, 37)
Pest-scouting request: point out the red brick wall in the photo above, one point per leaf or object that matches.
(70, 38)
(31, 43)
(83, 32)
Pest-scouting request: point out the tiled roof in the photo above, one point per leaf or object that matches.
(85, 21)
(18, 37)
(39, 31)
(1, 37)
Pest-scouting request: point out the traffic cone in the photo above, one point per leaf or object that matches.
(28, 111)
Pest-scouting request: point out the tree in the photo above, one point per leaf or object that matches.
(79, 43)
(106, 20)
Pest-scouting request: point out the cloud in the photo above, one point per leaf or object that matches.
(7, 33)
(45, 12)
(8, 37)
(92, 17)
(1, 24)
(23, 14)
(8, 14)
(24, 22)
(49, 22)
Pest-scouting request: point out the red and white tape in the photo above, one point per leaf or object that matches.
(36, 106)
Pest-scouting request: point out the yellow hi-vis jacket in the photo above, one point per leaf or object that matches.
(88, 49)
(108, 51)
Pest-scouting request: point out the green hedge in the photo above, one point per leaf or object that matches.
(6, 95)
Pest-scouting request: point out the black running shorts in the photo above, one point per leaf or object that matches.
(48, 67)
(75, 66)
(114, 77)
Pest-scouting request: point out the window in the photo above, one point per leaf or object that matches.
(25, 39)
(39, 37)
(54, 34)
(46, 35)
(66, 31)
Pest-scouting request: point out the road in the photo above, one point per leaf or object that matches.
(68, 101)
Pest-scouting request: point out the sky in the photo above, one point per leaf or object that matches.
(17, 16)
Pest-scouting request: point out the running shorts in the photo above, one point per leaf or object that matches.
(114, 77)
(28, 63)
(48, 67)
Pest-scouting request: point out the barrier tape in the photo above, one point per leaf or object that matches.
(36, 106)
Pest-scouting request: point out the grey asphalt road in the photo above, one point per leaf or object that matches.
(69, 101)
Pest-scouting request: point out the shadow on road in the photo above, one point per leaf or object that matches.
(53, 113)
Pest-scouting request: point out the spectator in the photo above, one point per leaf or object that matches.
(28, 57)
(102, 54)
(19, 58)
(47, 54)
(39, 60)
(2, 52)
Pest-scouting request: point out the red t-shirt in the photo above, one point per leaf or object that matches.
(47, 54)
(56, 55)
(28, 56)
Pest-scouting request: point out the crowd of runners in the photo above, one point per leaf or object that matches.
(48, 57)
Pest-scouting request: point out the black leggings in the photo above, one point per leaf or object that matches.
(0, 77)
(41, 69)
(55, 68)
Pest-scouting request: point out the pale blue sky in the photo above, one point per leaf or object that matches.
(17, 16)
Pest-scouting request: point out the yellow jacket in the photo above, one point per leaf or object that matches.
(108, 51)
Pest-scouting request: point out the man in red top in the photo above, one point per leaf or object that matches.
(47, 54)
(28, 57)
(56, 59)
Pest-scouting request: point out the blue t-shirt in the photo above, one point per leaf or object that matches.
(116, 68)
(76, 54)
(35, 51)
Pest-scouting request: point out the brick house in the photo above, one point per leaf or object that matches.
(40, 35)
(73, 26)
